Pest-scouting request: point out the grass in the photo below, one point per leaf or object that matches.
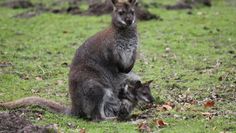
(186, 55)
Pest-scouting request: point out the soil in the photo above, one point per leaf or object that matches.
(179, 6)
(16, 122)
(104, 8)
(188, 4)
(143, 14)
(73, 9)
(18, 4)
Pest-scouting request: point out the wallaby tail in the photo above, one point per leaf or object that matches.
(51, 105)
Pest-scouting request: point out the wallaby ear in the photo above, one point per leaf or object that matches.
(133, 2)
(114, 2)
(138, 84)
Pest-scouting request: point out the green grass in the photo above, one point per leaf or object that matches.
(201, 60)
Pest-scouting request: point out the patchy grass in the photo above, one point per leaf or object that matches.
(191, 58)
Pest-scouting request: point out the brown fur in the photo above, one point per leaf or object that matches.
(99, 62)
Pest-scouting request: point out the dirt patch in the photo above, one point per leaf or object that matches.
(28, 14)
(179, 6)
(16, 122)
(106, 8)
(188, 4)
(15, 4)
(143, 14)
(73, 9)
(39, 9)
(100, 8)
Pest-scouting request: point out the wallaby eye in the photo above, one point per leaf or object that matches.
(121, 13)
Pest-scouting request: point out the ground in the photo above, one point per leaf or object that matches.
(190, 55)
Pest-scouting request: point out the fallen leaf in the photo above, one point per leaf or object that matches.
(208, 115)
(194, 102)
(209, 104)
(150, 106)
(170, 104)
(160, 123)
(82, 130)
(39, 116)
(167, 107)
(39, 78)
(143, 127)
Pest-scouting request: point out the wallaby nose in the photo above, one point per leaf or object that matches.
(129, 22)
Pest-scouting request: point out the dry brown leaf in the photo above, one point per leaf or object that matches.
(39, 116)
(170, 104)
(167, 107)
(143, 127)
(193, 102)
(160, 123)
(209, 104)
(208, 115)
(82, 130)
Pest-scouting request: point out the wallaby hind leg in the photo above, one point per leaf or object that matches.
(94, 98)
(125, 110)
(111, 104)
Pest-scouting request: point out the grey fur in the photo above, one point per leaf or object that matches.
(99, 66)
(131, 94)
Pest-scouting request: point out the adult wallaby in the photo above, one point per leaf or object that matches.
(97, 67)
(99, 62)
(131, 93)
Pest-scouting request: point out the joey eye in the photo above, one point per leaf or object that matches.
(144, 93)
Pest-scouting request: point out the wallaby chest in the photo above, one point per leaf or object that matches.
(125, 48)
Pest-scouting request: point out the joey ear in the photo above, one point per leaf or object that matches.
(148, 82)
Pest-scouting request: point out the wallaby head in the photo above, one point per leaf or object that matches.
(123, 13)
(139, 91)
